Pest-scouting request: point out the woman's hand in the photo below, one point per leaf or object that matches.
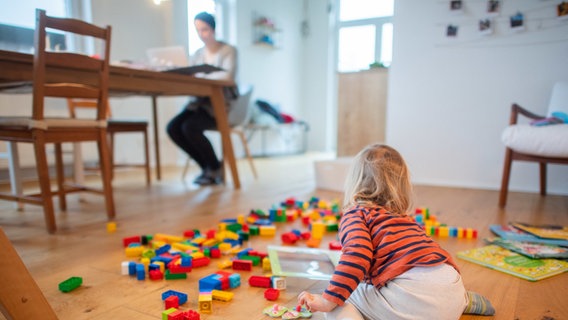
(315, 302)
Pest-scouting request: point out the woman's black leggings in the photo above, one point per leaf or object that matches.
(186, 130)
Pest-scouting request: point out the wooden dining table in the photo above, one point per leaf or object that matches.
(16, 74)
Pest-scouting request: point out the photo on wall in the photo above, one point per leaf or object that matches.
(517, 22)
(452, 31)
(493, 7)
(562, 10)
(456, 6)
(485, 27)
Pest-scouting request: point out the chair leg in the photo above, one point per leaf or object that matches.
(44, 183)
(147, 158)
(15, 173)
(241, 135)
(185, 168)
(111, 153)
(60, 175)
(505, 180)
(106, 168)
(542, 166)
(20, 297)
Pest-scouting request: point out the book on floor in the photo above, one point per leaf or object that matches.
(509, 232)
(501, 259)
(544, 231)
(531, 249)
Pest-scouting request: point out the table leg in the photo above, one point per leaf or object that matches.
(156, 137)
(218, 102)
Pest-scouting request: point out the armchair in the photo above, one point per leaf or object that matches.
(543, 144)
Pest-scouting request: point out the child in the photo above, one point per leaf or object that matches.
(389, 268)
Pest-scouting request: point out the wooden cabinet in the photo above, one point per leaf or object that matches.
(361, 106)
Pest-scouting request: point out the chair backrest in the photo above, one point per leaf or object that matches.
(74, 104)
(93, 84)
(240, 111)
(559, 98)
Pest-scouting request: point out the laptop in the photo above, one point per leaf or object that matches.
(167, 57)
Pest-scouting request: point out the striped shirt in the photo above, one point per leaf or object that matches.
(377, 247)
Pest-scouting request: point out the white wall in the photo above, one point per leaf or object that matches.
(449, 100)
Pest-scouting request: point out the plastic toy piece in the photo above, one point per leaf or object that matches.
(279, 283)
(271, 294)
(334, 245)
(276, 311)
(222, 295)
(182, 297)
(245, 265)
(70, 284)
(111, 227)
(292, 314)
(205, 305)
(260, 281)
(172, 302)
(191, 315)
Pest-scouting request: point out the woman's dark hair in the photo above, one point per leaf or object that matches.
(207, 18)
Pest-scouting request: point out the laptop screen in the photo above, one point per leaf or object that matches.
(167, 57)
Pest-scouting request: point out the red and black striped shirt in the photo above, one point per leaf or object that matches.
(377, 247)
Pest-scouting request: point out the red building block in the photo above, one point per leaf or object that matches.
(289, 238)
(334, 245)
(271, 294)
(156, 275)
(260, 281)
(215, 253)
(245, 265)
(129, 240)
(172, 302)
(211, 234)
(191, 315)
(176, 315)
(200, 262)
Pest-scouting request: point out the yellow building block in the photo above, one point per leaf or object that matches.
(225, 247)
(111, 227)
(266, 264)
(222, 227)
(222, 295)
(205, 305)
(133, 252)
(167, 238)
(268, 231)
(225, 264)
(241, 219)
(197, 255)
(318, 230)
(185, 247)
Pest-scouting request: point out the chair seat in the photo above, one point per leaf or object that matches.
(28, 123)
(548, 141)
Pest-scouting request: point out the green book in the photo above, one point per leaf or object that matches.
(501, 259)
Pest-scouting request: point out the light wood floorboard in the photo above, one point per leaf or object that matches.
(82, 247)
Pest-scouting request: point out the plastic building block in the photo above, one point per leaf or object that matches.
(155, 275)
(260, 281)
(176, 315)
(268, 231)
(210, 282)
(334, 245)
(133, 252)
(318, 230)
(222, 295)
(70, 284)
(245, 265)
(215, 253)
(234, 280)
(124, 268)
(313, 243)
(225, 264)
(289, 238)
(271, 294)
(200, 262)
(266, 266)
(171, 302)
(204, 301)
(255, 259)
(191, 315)
(182, 297)
(129, 240)
(175, 276)
(111, 227)
(166, 313)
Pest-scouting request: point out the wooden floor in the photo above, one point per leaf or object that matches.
(82, 247)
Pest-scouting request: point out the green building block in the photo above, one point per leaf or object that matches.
(70, 284)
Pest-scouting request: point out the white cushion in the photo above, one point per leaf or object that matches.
(548, 141)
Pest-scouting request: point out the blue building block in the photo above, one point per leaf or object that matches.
(234, 280)
(163, 249)
(244, 252)
(211, 282)
(132, 268)
(182, 297)
(140, 272)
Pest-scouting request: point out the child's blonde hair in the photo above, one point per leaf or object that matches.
(379, 176)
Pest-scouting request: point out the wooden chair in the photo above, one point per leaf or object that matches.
(114, 126)
(40, 130)
(20, 297)
(238, 117)
(542, 144)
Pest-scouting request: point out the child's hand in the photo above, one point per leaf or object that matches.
(315, 302)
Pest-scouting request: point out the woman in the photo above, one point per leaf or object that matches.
(187, 128)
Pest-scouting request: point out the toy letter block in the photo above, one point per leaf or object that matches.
(70, 284)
